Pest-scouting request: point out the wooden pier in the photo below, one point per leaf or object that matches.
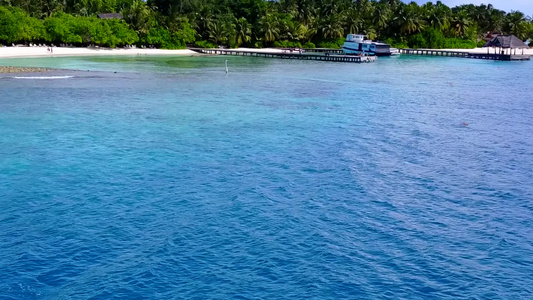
(323, 50)
(490, 56)
(290, 55)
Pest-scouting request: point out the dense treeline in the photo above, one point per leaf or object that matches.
(255, 23)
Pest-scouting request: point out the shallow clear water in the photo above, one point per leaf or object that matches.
(282, 179)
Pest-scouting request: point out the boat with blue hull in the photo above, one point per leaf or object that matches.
(356, 44)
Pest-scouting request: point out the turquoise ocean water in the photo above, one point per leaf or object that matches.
(165, 178)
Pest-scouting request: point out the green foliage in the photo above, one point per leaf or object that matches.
(65, 28)
(139, 16)
(182, 34)
(287, 44)
(178, 38)
(417, 41)
(332, 43)
(269, 28)
(17, 26)
(434, 39)
(397, 42)
(243, 31)
(401, 44)
(455, 43)
(309, 45)
(225, 29)
(124, 34)
(205, 44)
(257, 23)
(91, 7)
(157, 36)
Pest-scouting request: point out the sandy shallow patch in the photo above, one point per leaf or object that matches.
(7, 69)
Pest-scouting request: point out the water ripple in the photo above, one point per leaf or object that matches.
(280, 180)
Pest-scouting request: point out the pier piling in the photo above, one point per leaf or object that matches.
(490, 56)
(332, 55)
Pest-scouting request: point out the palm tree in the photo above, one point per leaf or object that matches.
(328, 7)
(269, 27)
(202, 22)
(460, 23)
(137, 16)
(217, 32)
(243, 31)
(395, 4)
(52, 6)
(438, 16)
(364, 7)
(370, 33)
(354, 21)
(332, 28)
(287, 6)
(483, 16)
(306, 11)
(513, 21)
(495, 20)
(382, 15)
(409, 20)
(291, 30)
(306, 32)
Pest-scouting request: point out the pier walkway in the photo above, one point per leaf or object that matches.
(290, 55)
(490, 56)
(324, 50)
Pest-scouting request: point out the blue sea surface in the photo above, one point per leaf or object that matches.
(165, 178)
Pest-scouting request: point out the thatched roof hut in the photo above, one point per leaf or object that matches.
(506, 41)
(110, 16)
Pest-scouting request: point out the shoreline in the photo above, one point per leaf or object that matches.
(482, 50)
(36, 52)
(33, 52)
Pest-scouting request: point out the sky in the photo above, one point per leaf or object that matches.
(525, 6)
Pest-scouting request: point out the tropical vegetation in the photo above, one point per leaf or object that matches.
(253, 23)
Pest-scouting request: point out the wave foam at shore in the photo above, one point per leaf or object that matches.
(42, 77)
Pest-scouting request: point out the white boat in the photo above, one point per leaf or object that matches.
(356, 44)
(394, 51)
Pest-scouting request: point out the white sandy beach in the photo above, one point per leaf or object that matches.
(484, 50)
(262, 50)
(17, 52)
